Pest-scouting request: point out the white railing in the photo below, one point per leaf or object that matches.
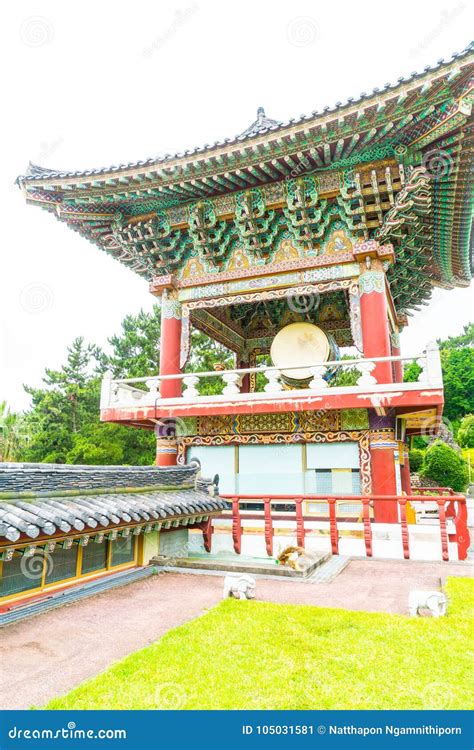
(146, 391)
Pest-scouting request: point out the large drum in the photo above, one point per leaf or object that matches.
(302, 344)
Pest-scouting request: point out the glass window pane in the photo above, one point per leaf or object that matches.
(276, 469)
(21, 574)
(122, 550)
(332, 455)
(216, 459)
(94, 557)
(61, 564)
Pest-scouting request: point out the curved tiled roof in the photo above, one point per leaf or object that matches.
(260, 127)
(41, 500)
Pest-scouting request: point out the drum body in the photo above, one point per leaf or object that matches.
(302, 344)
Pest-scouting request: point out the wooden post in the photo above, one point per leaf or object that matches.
(442, 528)
(207, 531)
(300, 533)
(403, 520)
(268, 526)
(170, 347)
(374, 321)
(236, 526)
(367, 526)
(383, 472)
(333, 526)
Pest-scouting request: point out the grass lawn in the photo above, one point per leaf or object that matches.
(253, 655)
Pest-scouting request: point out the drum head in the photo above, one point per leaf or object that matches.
(299, 343)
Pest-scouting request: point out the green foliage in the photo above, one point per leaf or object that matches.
(457, 363)
(416, 459)
(466, 339)
(445, 466)
(465, 433)
(136, 351)
(12, 433)
(63, 423)
(204, 354)
(411, 372)
(458, 378)
(364, 660)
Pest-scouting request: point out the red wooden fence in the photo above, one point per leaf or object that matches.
(450, 506)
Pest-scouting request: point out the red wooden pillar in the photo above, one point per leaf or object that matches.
(170, 350)
(374, 321)
(384, 482)
(397, 366)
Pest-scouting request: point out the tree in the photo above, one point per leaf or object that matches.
(466, 339)
(65, 406)
(136, 351)
(12, 433)
(445, 466)
(466, 432)
(458, 378)
(415, 458)
(63, 425)
(457, 364)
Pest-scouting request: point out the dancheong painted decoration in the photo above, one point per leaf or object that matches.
(303, 247)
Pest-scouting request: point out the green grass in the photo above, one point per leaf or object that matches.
(253, 655)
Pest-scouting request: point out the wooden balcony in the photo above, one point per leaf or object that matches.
(133, 400)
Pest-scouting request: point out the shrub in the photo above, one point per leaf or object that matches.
(445, 466)
(416, 459)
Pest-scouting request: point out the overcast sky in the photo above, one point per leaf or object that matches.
(100, 83)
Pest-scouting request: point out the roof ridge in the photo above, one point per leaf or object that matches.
(254, 130)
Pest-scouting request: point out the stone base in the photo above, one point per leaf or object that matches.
(234, 565)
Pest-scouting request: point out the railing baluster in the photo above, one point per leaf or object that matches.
(442, 528)
(367, 526)
(403, 521)
(236, 525)
(300, 533)
(268, 526)
(333, 526)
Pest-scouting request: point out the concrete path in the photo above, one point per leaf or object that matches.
(47, 655)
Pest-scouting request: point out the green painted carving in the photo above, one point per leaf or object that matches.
(354, 419)
(211, 238)
(257, 228)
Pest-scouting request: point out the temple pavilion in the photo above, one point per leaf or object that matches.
(303, 247)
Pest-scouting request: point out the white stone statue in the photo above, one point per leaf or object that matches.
(435, 601)
(240, 586)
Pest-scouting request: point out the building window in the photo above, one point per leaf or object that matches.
(123, 550)
(94, 557)
(61, 564)
(21, 573)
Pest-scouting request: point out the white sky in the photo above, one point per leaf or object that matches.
(99, 83)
